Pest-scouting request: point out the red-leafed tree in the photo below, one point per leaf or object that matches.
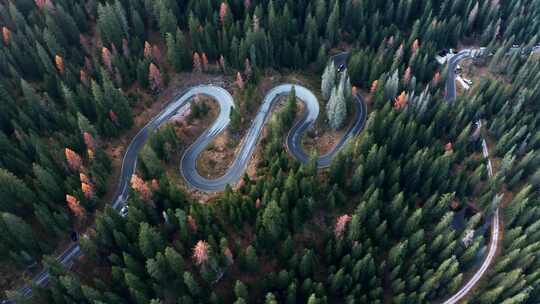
(401, 101)
(84, 178)
(204, 62)
(73, 159)
(201, 252)
(88, 190)
(139, 185)
(6, 34)
(59, 64)
(44, 4)
(341, 224)
(89, 140)
(75, 206)
(223, 10)
(154, 76)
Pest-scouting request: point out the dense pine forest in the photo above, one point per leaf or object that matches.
(385, 223)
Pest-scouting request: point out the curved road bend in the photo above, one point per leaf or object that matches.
(294, 138)
(129, 163)
(494, 242)
(293, 141)
(189, 171)
(236, 170)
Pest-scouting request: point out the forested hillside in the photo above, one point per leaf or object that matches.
(378, 226)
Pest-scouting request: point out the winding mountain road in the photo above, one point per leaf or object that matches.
(495, 224)
(237, 169)
(294, 139)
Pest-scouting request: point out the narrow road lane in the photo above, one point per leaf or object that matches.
(189, 159)
(494, 242)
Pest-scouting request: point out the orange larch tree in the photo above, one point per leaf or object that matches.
(44, 4)
(73, 159)
(84, 178)
(223, 10)
(88, 190)
(341, 224)
(75, 206)
(89, 140)
(401, 101)
(201, 252)
(139, 185)
(204, 62)
(154, 76)
(6, 34)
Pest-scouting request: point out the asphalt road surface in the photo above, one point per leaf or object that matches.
(495, 223)
(235, 172)
(293, 142)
